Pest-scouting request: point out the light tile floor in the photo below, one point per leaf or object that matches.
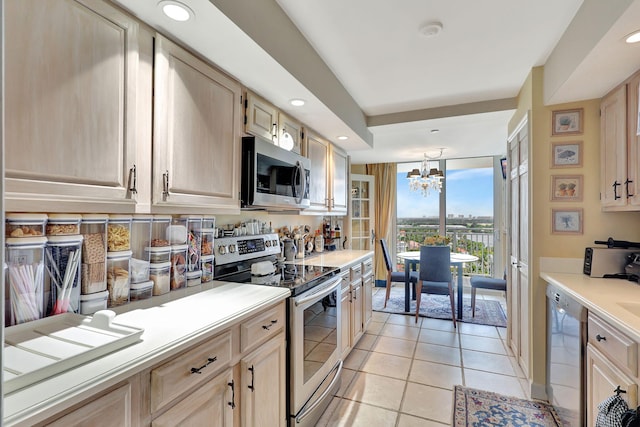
(402, 374)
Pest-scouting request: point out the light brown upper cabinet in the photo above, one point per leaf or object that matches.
(329, 176)
(74, 106)
(265, 120)
(620, 148)
(196, 140)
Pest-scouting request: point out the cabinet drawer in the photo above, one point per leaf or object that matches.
(614, 344)
(189, 369)
(345, 279)
(261, 327)
(367, 266)
(356, 272)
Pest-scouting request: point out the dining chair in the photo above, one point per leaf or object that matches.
(485, 282)
(394, 276)
(435, 276)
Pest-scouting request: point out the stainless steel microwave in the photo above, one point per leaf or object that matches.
(273, 177)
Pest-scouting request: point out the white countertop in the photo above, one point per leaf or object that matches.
(611, 299)
(168, 329)
(338, 258)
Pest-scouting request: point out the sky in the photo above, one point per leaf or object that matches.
(469, 192)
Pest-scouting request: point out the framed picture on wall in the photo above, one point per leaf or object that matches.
(566, 221)
(566, 154)
(566, 188)
(566, 122)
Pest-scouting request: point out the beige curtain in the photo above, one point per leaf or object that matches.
(385, 209)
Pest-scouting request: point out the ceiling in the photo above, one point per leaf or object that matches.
(368, 71)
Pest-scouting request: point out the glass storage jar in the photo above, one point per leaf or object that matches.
(118, 280)
(63, 262)
(25, 225)
(94, 253)
(63, 224)
(119, 233)
(178, 266)
(24, 279)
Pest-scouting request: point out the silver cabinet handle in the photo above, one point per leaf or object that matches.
(165, 186)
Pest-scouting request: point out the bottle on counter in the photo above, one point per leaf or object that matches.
(319, 242)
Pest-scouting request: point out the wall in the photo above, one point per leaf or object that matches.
(597, 225)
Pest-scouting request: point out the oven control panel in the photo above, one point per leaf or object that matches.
(241, 248)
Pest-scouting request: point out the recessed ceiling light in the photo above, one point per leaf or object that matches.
(633, 37)
(176, 10)
(430, 29)
(435, 130)
(343, 137)
(297, 102)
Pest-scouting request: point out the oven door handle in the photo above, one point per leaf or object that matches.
(307, 411)
(325, 290)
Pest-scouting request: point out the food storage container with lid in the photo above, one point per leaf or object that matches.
(24, 279)
(208, 222)
(206, 241)
(176, 233)
(157, 254)
(63, 224)
(140, 291)
(94, 253)
(118, 280)
(139, 270)
(159, 225)
(25, 225)
(194, 227)
(63, 261)
(194, 278)
(119, 233)
(178, 266)
(207, 268)
(140, 235)
(160, 274)
(91, 303)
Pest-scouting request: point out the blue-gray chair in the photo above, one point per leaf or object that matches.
(435, 276)
(485, 282)
(394, 276)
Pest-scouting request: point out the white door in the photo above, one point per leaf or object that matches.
(518, 291)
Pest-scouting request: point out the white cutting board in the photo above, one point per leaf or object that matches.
(37, 350)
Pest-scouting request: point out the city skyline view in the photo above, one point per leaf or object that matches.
(469, 192)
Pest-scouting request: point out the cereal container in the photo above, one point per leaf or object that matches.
(25, 225)
(178, 266)
(160, 274)
(207, 268)
(119, 233)
(118, 281)
(91, 303)
(140, 291)
(194, 227)
(63, 256)
(94, 253)
(159, 225)
(63, 224)
(24, 279)
(140, 235)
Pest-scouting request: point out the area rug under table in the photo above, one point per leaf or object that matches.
(473, 407)
(488, 312)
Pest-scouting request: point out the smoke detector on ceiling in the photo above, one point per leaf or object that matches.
(431, 29)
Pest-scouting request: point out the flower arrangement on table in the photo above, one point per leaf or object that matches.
(437, 240)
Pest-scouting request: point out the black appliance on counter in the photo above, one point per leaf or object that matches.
(616, 260)
(314, 364)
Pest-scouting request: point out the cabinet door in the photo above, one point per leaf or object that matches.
(290, 135)
(602, 379)
(210, 405)
(345, 319)
(70, 106)
(631, 184)
(261, 118)
(357, 305)
(613, 149)
(362, 212)
(196, 148)
(263, 385)
(339, 180)
(318, 153)
(112, 409)
(367, 300)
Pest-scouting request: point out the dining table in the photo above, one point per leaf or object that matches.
(412, 259)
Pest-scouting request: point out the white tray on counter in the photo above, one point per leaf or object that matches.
(37, 350)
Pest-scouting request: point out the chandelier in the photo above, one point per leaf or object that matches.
(426, 179)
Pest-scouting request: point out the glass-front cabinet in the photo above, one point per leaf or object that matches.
(362, 212)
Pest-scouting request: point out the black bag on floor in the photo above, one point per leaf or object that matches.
(631, 418)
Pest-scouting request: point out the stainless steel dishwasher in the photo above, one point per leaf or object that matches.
(566, 343)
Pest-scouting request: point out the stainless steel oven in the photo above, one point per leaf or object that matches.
(314, 366)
